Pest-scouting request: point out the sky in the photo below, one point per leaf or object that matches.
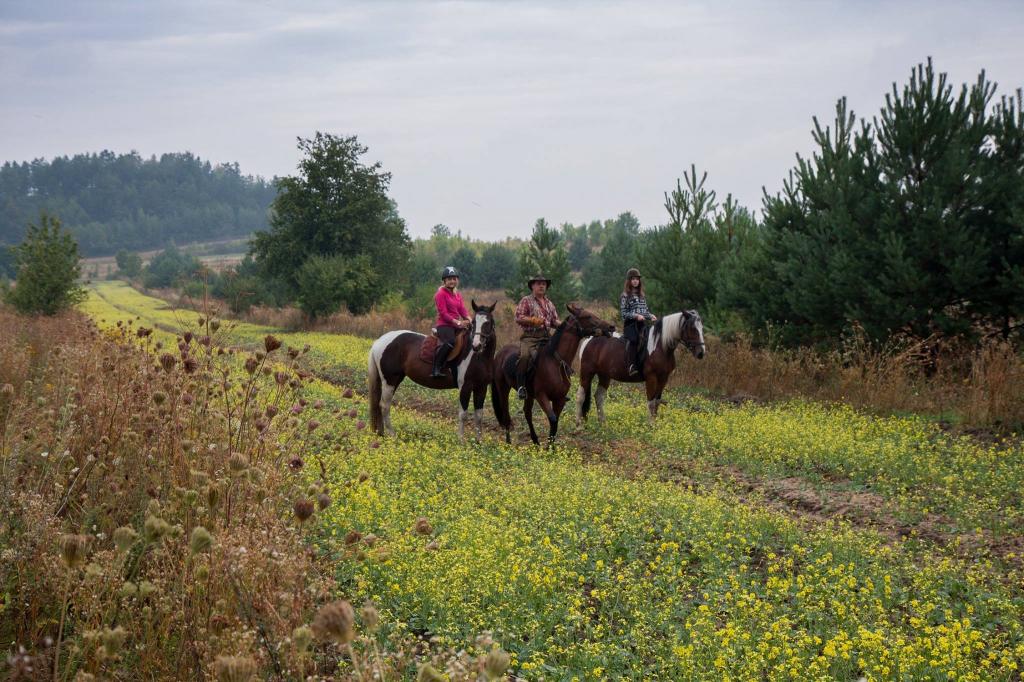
(488, 115)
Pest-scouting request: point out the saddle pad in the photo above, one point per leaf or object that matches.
(429, 345)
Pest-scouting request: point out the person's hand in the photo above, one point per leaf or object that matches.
(463, 324)
(640, 317)
(654, 318)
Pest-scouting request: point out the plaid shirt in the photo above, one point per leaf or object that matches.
(631, 305)
(530, 306)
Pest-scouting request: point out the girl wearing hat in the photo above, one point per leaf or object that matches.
(536, 316)
(451, 316)
(633, 307)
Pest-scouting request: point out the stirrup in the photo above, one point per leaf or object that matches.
(521, 392)
(632, 370)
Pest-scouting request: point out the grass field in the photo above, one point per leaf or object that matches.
(794, 540)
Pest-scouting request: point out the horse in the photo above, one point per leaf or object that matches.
(396, 355)
(605, 358)
(548, 383)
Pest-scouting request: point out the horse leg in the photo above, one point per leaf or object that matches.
(479, 396)
(583, 398)
(555, 413)
(653, 396)
(599, 394)
(528, 413)
(463, 407)
(387, 394)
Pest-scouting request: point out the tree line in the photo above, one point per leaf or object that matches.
(910, 222)
(114, 201)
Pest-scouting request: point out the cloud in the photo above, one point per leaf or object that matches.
(488, 114)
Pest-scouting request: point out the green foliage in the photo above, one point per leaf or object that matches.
(170, 268)
(336, 210)
(129, 264)
(605, 271)
(681, 261)
(326, 283)
(47, 270)
(114, 201)
(496, 261)
(910, 224)
(545, 254)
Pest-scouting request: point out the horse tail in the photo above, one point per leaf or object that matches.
(499, 401)
(374, 381)
(584, 404)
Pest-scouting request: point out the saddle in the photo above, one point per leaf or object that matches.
(429, 345)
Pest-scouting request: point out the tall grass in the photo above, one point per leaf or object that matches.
(156, 502)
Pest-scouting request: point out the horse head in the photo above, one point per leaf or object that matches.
(482, 329)
(691, 333)
(588, 323)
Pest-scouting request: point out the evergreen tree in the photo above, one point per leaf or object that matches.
(129, 264)
(605, 272)
(496, 261)
(47, 270)
(680, 260)
(545, 254)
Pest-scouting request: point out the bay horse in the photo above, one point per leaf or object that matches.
(548, 383)
(396, 355)
(605, 358)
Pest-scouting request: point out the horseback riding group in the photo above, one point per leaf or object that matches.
(461, 353)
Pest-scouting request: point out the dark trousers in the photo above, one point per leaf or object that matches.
(445, 342)
(633, 330)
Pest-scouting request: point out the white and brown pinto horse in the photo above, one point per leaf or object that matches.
(396, 355)
(605, 358)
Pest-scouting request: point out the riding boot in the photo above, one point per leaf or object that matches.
(521, 380)
(631, 363)
(440, 353)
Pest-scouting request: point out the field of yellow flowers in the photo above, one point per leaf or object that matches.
(583, 573)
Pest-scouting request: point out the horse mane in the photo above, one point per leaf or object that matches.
(671, 333)
(552, 346)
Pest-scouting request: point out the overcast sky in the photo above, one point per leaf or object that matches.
(488, 114)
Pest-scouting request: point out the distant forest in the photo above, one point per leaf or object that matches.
(121, 201)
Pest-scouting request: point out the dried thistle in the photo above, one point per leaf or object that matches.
(423, 526)
(302, 637)
(353, 537)
(124, 538)
(168, 361)
(238, 463)
(270, 343)
(72, 549)
(496, 664)
(370, 617)
(428, 673)
(335, 622)
(323, 500)
(234, 668)
(113, 639)
(201, 540)
(303, 509)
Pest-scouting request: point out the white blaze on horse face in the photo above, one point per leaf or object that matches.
(478, 324)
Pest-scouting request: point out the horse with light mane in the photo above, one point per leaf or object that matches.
(397, 354)
(548, 383)
(605, 358)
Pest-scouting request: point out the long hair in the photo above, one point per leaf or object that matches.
(629, 291)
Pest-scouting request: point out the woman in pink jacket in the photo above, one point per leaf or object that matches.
(451, 316)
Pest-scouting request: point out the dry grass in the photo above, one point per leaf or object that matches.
(152, 508)
(981, 387)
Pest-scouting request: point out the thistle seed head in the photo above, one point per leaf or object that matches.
(335, 622)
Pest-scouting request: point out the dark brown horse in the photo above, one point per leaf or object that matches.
(548, 383)
(396, 355)
(605, 358)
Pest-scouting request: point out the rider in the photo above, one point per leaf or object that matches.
(451, 316)
(536, 316)
(633, 306)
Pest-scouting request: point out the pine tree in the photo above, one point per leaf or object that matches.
(47, 270)
(545, 254)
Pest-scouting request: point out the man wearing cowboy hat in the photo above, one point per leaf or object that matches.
(536, 316)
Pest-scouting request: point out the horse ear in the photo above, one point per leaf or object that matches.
(493, 306)
(573, 308)
(472, 302)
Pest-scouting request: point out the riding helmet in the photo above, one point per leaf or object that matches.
(449, 271)
(632, 272)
